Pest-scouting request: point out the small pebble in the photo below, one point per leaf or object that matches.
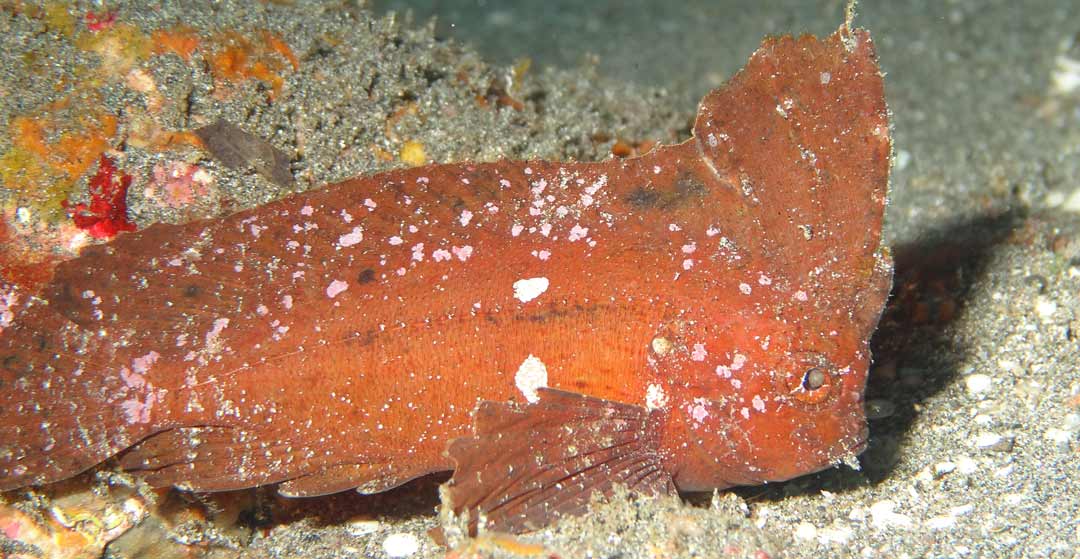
(879, 408)
(1013, 498)
(993, 441)
(805, 531)
(961, 510)
(1059, 436)
(835, 535)
(966, 465)
(943, 468)
(883, 516)
(362, 527)
(978, 383)
(400, 545)
(941, 523)
(1045, 308)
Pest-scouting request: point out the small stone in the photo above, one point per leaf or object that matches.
(994, 441)
(1013, 498)
(1005, 471)
(362, 527)
(805, 531)
(1060, 437)
(879, 408)
(941, 523)
(883, 515)
(837, 534)
(943, 468)
(978, 383)
(401, 544)
(1045, 308)
(966, 465)
(961, 510)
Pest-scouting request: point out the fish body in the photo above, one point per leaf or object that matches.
(696, 317)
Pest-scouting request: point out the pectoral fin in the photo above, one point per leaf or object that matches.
(528, 465)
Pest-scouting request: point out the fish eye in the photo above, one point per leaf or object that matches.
(809, 379)
(813, 379)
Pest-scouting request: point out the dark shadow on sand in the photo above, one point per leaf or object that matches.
(916, 352)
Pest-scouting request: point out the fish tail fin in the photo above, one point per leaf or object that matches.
(57, 418)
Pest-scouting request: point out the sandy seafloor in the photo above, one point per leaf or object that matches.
(975, 393)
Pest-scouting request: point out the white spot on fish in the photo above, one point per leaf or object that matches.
(286, 302)
(516, 230)
(531, 376)
(350, 239)
(688, 263)
(764, 280)
(744, 288)
(674, 228)
(758, 404)
(335, 288)
(395, 240)
(418, 252)
(462, 253)
(440, 254)
(526, 290)
(699, 353)
(466, 217)
(369, 203)
(698, 411)
(655, 397)
(801, 295)
(307, 210)
(578, 232)
(689, 248)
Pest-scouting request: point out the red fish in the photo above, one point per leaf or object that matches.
(693, 318)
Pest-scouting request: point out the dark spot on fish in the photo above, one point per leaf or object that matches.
(689, 186)
(41, 342)
(10, 363)
(192, 291)
(366, 337)
(366, 276)
(685, 188)
(643, 197)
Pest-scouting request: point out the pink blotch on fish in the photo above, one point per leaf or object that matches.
(462, 253)
(335, 288)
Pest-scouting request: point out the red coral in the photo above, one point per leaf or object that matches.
(106, 215)
(99, 22)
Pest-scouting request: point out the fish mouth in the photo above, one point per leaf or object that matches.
(856, 446)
